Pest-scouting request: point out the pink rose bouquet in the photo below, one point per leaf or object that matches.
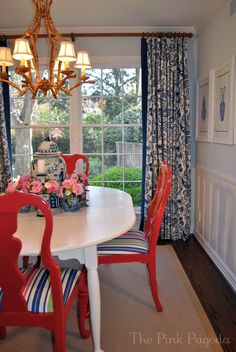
(72, 186)
(28, 184)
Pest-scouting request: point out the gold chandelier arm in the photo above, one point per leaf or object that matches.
(59, 69)
(52, 60)
(53, 36)
(79, 83)
(11, 84)
(35, 26)
(30, 72)
(49, 25)
(36, 57)
(63, 89)
(28, 82)
(24, 91)
(52, 89)
(61, 83)
(34, 93)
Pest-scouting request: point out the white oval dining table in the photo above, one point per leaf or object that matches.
(76, 235)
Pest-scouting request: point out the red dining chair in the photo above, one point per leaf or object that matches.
(71, 160)
(138, 246)
(42, 296)
(135, 245)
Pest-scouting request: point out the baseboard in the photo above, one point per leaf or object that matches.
(228, 275)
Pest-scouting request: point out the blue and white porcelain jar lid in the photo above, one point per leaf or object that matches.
(47, 146)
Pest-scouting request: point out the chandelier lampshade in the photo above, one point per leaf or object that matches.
(82, 60)
(60, 75)
(5, 57)
(67, 52)
(22, 50)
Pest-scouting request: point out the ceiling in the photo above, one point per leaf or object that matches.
(107, 13)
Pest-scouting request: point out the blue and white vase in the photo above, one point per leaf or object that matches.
(54, 202)
(25, 209)
(70, 203)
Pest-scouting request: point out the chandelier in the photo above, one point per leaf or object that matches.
(61, 77)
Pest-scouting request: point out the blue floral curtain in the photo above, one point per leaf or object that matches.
(167, 119)
(7, 113)
(5, 170)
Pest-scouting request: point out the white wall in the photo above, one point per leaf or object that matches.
(216, 45)
(216, 163)
(103, 50)
(113, 50)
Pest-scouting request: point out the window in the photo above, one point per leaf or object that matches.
(111, 127)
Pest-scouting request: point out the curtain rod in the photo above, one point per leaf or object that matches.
(87, 35)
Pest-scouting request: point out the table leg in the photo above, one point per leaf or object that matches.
(90, 254)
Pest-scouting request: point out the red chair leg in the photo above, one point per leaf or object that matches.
(83, 305)
(2, 332)
(153, 283)
(25, 261)
(38, 262)
(59, 338)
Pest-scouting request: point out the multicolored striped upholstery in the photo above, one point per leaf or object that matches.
(132, 242)
(37, 290)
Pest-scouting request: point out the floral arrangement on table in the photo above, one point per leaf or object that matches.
(71, 191)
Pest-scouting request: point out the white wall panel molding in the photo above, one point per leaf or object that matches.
(215, 219)
(217, 174)
(219, 263)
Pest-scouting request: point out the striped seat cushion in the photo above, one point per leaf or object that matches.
(37, 290)
(132, 242)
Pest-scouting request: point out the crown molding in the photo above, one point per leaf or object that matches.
(211, 10)
(129, 29)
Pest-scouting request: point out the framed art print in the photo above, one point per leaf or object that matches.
(223, 103)
(203, 111)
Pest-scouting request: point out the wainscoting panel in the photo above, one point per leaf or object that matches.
(215, 219)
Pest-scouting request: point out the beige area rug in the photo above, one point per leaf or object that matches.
(130, 322)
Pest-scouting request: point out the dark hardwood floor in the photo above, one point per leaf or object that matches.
(215, 294)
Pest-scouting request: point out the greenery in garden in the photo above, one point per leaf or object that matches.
(114, 174)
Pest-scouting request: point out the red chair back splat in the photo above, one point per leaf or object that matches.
(71, 160)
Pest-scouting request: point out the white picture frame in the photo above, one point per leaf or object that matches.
(223, 83)
(203, 108)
